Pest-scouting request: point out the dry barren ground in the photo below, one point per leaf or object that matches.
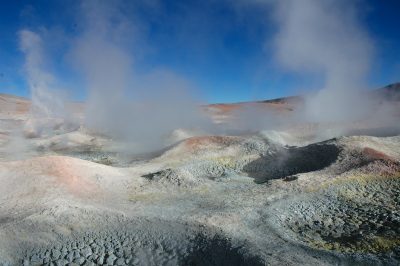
(68, 199)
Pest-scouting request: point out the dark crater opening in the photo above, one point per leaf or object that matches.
(292, 161)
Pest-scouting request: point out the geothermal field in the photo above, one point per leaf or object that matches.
(204, 133)
(258, 198)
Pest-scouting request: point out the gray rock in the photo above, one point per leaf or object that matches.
(99, 242)
(92, 257)
(64, 251)
(55, 254)
(127, 252)
(35, 259)
(79, 260)
(111, 258)
(81, 245)
(86, 252)
(76, 254)
(100, 259)
(26, 262)
(70, 256)
(61, 262)
(120, 261)
(46, 260)
(119, 253)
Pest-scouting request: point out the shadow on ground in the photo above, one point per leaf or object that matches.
(218, 251)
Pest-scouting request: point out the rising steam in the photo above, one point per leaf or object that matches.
(48, 109)
(142, 109)
(326, 38)
(45, 103)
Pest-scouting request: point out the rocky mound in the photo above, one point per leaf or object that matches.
(356, 213)
(256, 157)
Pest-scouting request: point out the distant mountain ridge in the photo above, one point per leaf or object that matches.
(390, 93)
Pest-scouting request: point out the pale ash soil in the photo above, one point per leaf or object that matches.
(69, 199)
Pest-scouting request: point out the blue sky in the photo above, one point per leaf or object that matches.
(221, 48)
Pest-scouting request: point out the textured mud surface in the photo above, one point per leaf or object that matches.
(132, 245)
(358, 213)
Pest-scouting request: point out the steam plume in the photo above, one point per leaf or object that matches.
(45, 102)
(140, 108)
(327, 39)
(48, 110)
